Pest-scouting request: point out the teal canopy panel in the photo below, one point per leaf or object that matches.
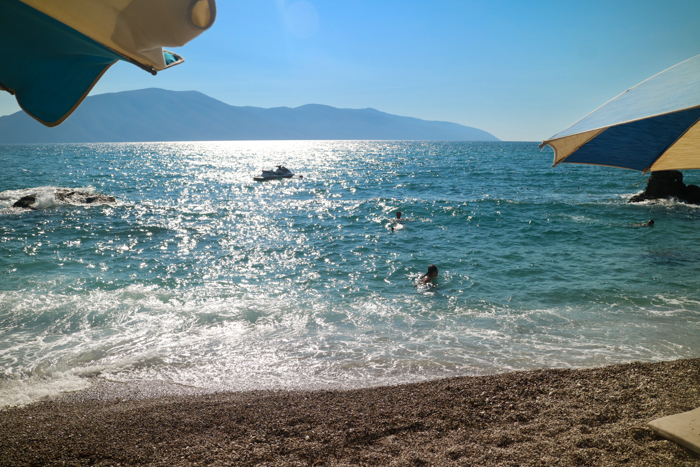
(52, 52)
(49, 67)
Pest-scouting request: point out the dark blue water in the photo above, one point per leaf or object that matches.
(200, 276)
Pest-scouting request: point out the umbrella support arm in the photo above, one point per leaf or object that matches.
(147, 68)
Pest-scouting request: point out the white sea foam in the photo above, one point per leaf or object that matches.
(18, 392)
(45, 197)
(206, 279)
(667, 202)
(222, 344)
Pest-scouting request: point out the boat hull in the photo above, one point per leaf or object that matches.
(273, 177)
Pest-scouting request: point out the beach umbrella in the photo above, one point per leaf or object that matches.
(650, 127)
(52, 52)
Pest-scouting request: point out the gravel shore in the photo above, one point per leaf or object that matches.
(591, 417)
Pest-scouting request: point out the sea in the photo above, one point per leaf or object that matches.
(198, 276)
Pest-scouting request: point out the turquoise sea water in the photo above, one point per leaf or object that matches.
(200, 276)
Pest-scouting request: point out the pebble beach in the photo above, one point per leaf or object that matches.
(557, 417)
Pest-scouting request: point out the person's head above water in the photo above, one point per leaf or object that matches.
(650, 223)
(398, 214)
(431, 274)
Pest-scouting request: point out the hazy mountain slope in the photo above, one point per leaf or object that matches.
(160, 115)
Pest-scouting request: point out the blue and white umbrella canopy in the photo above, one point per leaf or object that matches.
(650, 127)
(52, 52)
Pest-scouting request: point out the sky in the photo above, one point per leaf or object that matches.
(521, 70)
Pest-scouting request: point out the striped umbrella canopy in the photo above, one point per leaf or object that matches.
(52, 52)
(650, 127)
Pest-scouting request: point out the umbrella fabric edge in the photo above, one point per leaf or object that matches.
(564, 147)
(636, 145)
(73, 108)
(675, 89)
(136, 30)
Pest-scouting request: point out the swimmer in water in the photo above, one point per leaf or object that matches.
(399, 219)
(648, 224)
(430, 275)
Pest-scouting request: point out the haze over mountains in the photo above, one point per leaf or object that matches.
(160, 115)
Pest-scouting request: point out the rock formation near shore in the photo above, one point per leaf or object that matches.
(66, 196)
(83, 197)
(25, 202)
(668, 184)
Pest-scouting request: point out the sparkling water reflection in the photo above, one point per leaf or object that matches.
(200, 276)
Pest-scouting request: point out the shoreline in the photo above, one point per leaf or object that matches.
(542, 417)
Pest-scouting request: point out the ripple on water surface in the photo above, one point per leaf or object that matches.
(199, 276)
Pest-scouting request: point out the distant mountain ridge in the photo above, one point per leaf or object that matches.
(161, 115)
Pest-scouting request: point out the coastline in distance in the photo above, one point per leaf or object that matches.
(160, 115)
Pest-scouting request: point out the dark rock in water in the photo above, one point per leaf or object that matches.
(100, 198)
(668, 184)
(63, 195)
(26, 202)
(692, 194)
(83, 197)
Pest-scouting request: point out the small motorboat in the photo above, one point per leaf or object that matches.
(279, 172)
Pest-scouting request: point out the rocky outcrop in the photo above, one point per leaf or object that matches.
(66, 196)
(668, 184)
(83, 197)
(26, 202)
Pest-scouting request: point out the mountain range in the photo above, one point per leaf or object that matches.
(161, 115)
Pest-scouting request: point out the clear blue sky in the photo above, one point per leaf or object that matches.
(522, 70)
